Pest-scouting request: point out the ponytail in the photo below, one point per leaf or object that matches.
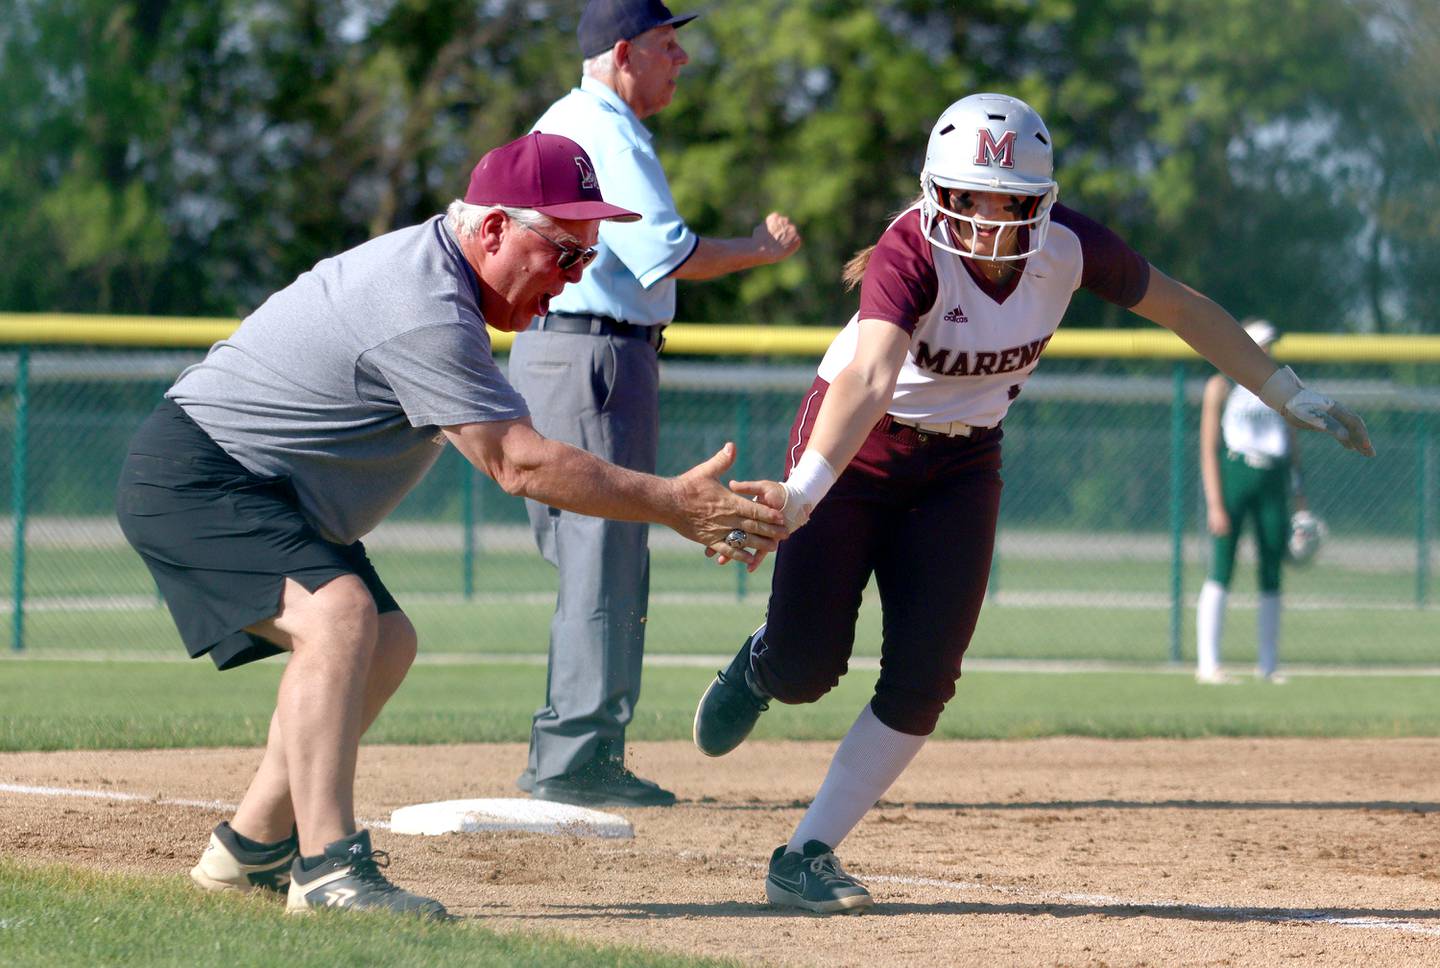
(854, 270)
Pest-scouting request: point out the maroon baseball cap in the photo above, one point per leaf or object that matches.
(545, 172)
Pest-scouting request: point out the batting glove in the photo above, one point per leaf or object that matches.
(1309, 410)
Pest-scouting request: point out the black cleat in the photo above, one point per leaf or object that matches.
(731, 706)
(348, 876)
(814, 881)
(227, 866)
(602, 783)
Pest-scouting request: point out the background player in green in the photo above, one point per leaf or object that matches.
(1249, 464)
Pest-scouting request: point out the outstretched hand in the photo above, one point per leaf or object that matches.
(708, 513)
(1308, 410)
(769, 493)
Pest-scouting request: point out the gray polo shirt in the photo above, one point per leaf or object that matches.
(341, 380)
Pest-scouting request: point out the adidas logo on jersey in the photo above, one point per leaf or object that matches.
(956, 315)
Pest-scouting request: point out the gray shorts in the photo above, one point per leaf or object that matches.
(220, 541)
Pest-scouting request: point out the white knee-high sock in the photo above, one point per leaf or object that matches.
(1267, 627)
(1209, 623)
(870, 758)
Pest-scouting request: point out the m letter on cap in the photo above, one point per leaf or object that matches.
(1000, 152)
(587, 174)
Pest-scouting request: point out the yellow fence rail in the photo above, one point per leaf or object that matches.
(58, 329)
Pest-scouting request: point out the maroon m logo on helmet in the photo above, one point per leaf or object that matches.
(988, 150)
(587, 174)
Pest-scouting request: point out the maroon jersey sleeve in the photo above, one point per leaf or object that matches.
(900, 284)
(1112, 269)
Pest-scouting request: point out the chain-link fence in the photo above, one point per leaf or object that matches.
(1101, 549)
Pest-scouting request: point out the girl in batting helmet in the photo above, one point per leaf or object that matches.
(894, 456)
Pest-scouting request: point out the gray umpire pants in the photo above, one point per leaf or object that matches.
(600, 393)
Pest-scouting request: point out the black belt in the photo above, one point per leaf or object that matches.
(601, 326)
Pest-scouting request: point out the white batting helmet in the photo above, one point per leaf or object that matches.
(1262, 331)
(1306, 533)
(990, 143)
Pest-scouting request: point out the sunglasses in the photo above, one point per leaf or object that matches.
(570, 255)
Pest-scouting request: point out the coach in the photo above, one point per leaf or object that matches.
(248, 488)
(590, 373)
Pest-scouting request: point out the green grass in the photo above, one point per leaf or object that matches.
(57, 916)
(1340, 636)
(698, 608)
(52, 572)
(84, 705)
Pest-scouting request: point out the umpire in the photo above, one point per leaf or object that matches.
(590, 372)
(248, 488)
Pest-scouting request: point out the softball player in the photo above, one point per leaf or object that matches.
(901, 429)
(1249, 466)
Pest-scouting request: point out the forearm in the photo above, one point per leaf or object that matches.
(1208, 329)
(1211, 408)
(571, 479)
(851, 407)
(526, 464)
(718, 257)
(1210, 479)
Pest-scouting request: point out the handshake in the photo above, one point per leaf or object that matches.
(792, 501)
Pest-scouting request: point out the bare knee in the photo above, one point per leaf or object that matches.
(339, 618)
(396, 647)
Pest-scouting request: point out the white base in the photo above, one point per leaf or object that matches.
(524, 815)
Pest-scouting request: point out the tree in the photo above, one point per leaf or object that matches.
(189, 157)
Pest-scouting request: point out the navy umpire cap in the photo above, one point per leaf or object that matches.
(604, 23)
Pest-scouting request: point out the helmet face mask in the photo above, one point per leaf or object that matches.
(988, 143)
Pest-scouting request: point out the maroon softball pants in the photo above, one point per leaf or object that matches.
(916, 510)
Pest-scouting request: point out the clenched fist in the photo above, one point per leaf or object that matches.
(777, 237)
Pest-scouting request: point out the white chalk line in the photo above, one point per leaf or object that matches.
(867, 663)
(1026, 894)
(45, 791)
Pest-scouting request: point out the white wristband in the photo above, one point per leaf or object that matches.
(1280, 388)
(811, 479)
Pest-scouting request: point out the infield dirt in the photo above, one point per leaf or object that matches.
(1045, 852)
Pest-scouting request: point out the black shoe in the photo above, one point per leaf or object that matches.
(814, 881)
(603, 783)
(348, 876)
(730, 707)
(525, 782)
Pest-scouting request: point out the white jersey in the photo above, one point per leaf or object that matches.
(1248, 426)
(973, 344)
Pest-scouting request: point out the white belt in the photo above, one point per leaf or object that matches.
(1260, 462)
(953, 428)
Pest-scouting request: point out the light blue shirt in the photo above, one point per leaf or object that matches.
(630, 277)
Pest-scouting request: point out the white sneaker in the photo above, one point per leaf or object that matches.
(1216, 677)
(226, 866)
(1274, 678)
